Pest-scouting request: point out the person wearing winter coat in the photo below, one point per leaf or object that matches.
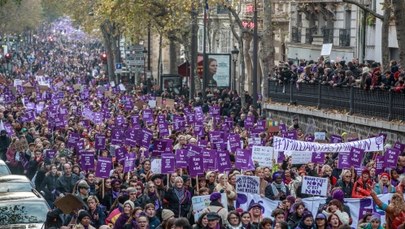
(84, 220)
(384, 185)
(295, 217)
(67, 181)
(97, 212)
(178, 198)
(307, 221)
(336, 207)
(150, 212)
(124, 215)
(48, 185)
(217, 207)
(234, 220)
(363, 186)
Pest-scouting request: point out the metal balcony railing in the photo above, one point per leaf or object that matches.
(382, 104)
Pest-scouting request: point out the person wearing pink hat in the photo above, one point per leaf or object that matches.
(384, 185)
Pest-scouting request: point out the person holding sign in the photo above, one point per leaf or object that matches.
(363, 186)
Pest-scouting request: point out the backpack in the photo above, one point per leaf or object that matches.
(398, 220)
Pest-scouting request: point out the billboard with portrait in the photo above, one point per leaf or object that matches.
(219, 70)
(171, 83)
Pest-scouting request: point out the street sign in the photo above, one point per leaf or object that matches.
(118, 68)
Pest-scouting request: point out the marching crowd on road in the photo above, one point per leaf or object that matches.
(58, 113)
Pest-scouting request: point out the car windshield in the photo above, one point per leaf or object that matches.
(4, 170)
(23, 212)
(15, 187)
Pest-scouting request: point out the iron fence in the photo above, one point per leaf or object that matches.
(382, 104)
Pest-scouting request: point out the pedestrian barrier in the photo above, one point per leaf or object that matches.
(376, 103)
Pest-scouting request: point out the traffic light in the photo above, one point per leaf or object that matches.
(103, 57)
(7, 57)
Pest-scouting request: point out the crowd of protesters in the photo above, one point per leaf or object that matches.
(144, 200)
(367, 76)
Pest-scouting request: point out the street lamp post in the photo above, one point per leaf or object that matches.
(144, 63)
(255, 50)
(235, 54)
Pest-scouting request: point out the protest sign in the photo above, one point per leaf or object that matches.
(156, 166)
(316, 186)
(356, 156)
(318, 158)
(243, 159)
(104, 165)
(234, 142)
(344, 161)
(300, 157)
(254, 141)
(196, 165)
(210, 159)
(87, 160)
(168, 163)
(391, 158)
(99, 141)
(335, 138)
(368, 145)
(224, 163)
(200, 203)
(320, 136)
(264, 155)
(129, 162)
(247, 184)
(181, 158)
(399, 146)
(50, 154)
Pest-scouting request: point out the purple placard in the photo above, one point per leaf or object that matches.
(146, 138)
(168, 163)
(202, 143)
(199, 115)
(215, 110)
(344, 161)
(283, 127)
(281, 157)
(120, 154)
(129, 163)
(181, 158)
(391, 158)
(131, 137)
(190, 118)
(249, 122)
(356, 156)
(216, 137)
(199, 129)
(99, 141)
(117, 135)
(79, 145)
(104, 165)
(318, 157)
(399, 146)
(87, 160)
(119, 120)
(379, 164)
(234, 142)
(159, 148)
(261, 125)
(147, 116)
(98, 117)
(336, 139)
(291, 134)
(243, 159)
(135, 120)
(210, 159)
(196, 165)
(9, 129)
(309, 138)
(50, 154)
(178, 122)
(163, 129)
(30, 106)
(224, 162)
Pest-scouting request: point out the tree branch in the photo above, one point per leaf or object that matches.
(363, 7)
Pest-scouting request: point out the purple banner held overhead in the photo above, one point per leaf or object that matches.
(199, 129)
(283, 127)
(9, 129)
(193, 150)
(234, 142)
(249, 122)
(196, 165)
(159, 148)
(117, 135)
(344, 161)
(215, 110)
(356, 156)
(379, 164)
(79, 145)
(181, 158)
(210, 159)
(281, 157)
(391, 158)
(131, 137)
(399, 146)
(199, 115)
(87, 160)
(243, 159)
(178, 122)
(224, 163)
(104, 166)
(168, 163)
(119, 120)
(163, 129)
(318, 158)
(129, 163)
(261, 125)
(147, 116)
(291, 134)
(99, 141)
(120, 154)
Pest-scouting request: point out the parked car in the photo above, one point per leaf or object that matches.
(22, 210)
(15, 183)
(4, 170)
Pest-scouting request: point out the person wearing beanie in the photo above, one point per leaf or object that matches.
(84, 220)
(166, 216)
(216, 206)
(256, 214)
(307, 221)
(384, 185)
(363, 186)
(82, 192)
(321, 221)
(277, 190)
(345, 183)
(128, 206)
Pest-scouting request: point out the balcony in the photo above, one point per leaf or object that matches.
(344, 37)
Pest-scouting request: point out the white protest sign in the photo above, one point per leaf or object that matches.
(264, 155)
(152, 103)
(316, 186)
(300, 157)
(122, 87)
(112, 83)
(320, 136)
(326, 49)
(200, 203)
(254, 141)
(156, 166)
(18, 82)
(248, 184)
(368, 145)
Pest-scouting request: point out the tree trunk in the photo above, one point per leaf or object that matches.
(384, 38)
(399, 9)
(248, 60)
(108, 44)
(160, 69)
(267, 47)
(173, 56)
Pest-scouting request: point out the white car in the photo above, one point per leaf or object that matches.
(4, 170)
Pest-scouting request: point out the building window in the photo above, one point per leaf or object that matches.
(344, 37)
(225, 41)
(309, 32)
(296, 35)
(200, 39)
(327, 35)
